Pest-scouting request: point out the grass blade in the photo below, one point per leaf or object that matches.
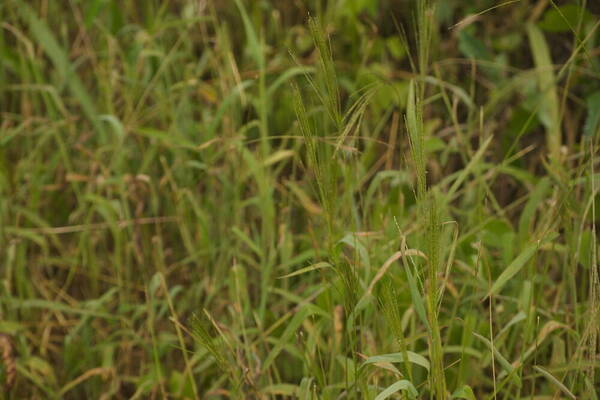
(519, 262)
(549, 111)
(555, 381)
(304, 270)
(400, 385)
(44, 36)
(398, 358)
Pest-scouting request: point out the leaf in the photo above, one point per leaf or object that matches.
(56, 307)
(224, 106)
(354, 241)
(400, 385)
(514, 320)
(462, 350)
(414, 125)
(472, 47)
(304, 199)
(548, 328)
(294, 324)
(398, 358)
(286, 76)
(518, 263)
(247, 240)
(168, 139)
(549, 109)
(554, 380)
(464, 392)
(282, 389)
(44, 36)
(304, 270)
(416, 297)
(11, 327)
(473, 163)
(397, 255)
(593, 115)
(253, 44)
(278, 156)
(536, 199)
(500, 358)
(564, 18)
(115, 123)
(475, 49)
(396, 47)
(304, 391)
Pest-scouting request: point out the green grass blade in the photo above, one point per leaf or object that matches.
(519, 262)
(44, 36)
(555, 381)
(510, 370)
(398, 358)
(285, 337)
(549, 111)
(304, 270)
(404, 385)
(464, 392)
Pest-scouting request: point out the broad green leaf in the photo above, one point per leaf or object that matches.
(564, 18)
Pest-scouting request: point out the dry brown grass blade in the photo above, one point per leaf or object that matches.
(8, 361)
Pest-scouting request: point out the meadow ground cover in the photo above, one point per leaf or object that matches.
(351, 199)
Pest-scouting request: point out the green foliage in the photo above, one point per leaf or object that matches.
(350, 199)
(565, 18)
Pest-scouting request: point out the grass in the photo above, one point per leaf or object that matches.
(311, 200)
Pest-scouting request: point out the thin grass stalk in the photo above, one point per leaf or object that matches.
(427, 202)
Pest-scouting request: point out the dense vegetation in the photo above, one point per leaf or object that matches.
(354, 199)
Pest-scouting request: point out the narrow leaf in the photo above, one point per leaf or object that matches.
(400, 385)
(464, 392)
(287, 334)
(304, 270)
(592, 122)
(549, 112)
(500, 358)
(555, 381)
(398, 358)
(518, 263)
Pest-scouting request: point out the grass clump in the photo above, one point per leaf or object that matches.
(299, 200)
